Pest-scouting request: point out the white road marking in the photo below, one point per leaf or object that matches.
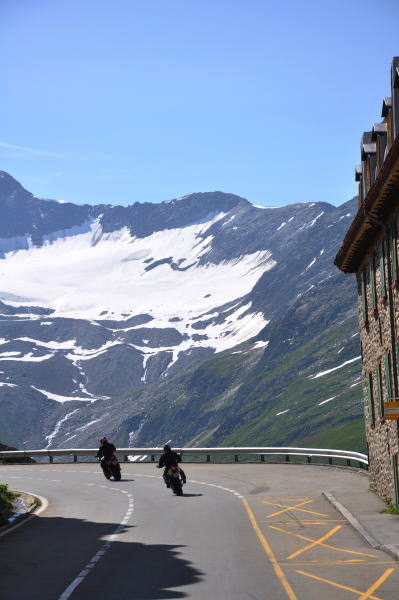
(93, 561)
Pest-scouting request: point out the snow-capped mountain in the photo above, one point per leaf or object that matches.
(98, 302)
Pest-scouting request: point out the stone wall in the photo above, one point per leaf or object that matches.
(378, 308)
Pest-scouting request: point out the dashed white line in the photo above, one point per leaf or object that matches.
(93, 561)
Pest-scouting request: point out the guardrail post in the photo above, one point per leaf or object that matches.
(75, 458)
(125, 458)
(152, 458)
(348, 462)
(262, 458)
(235, 457)
(51, 458)
(309, 459)
(330, 460)
(287, 458)
(208, 458)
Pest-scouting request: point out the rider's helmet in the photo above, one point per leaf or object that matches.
(103, 440)
(167, 448)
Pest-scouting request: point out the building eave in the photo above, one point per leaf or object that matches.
(381, 201)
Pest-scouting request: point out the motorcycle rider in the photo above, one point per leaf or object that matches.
(170, 459)
(105, 450)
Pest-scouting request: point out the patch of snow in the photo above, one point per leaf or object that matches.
(229, 221)
(328, 400)
(266, 207)
(355, 334)
(261, 344)
(27, 358)
(282, 412)
(315, 219)
(281, 226)
(67, 345)
(90, 423)
(4, 384)
(340, 350)
(355, 384)
(62, 399)
(310, 264)
(83, 275)
(322, 252)
(52, 435)
(83, 354)
(290, 219)
(322, 373)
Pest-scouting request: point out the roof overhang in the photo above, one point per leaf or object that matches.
(386, 106)
(372, 217)
(379, 129)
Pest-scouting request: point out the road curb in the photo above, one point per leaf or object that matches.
(362, 531)
(28, 515)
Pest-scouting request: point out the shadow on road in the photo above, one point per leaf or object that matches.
(191, 495)
(40, 560)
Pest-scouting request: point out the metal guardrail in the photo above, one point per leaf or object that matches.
(144, 453)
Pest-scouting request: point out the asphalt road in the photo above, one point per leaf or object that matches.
(240, 532)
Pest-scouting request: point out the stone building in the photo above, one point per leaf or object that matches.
(370, 249)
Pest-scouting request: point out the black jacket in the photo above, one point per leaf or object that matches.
(106, 450)
(169, 459)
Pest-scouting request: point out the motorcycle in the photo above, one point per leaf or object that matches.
(174, 478)
(111, 468)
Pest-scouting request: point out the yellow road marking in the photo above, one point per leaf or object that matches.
(298, 522)
(316, 542)
(338, 585)
(297, 499)
(347, 563)
(269, 552)
(296, 507)
(303, 537)
(380, 581)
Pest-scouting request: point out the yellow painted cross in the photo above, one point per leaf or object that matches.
(367, 595)
(295, 507)
(319, 542)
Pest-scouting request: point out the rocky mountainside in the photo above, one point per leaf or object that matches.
(204, 319)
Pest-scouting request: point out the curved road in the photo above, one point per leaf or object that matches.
(240, 532)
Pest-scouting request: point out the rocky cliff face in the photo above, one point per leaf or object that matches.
(111, 315)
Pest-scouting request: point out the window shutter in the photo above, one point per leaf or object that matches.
(388, 378)
(372, 284)
(380, 398)
(370, 418)
(364, 297)
(383, 289)
(394, 258)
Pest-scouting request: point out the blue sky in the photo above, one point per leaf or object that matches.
(146, 101)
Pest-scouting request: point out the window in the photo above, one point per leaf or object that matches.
(372, 284)
(364, 297)
(388, 386)
(383, 287)
(370, 416)
(394, 257)
(378, 382)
